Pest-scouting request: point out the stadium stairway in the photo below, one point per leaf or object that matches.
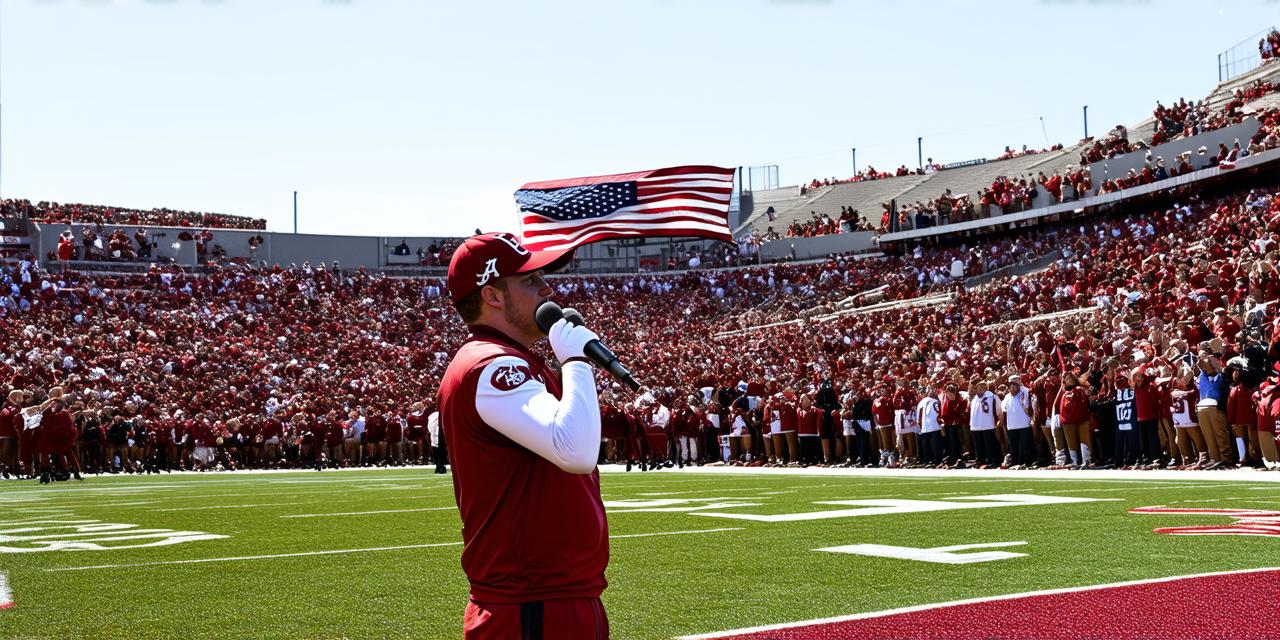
(866, 197)
(759, 220)
(1223, 92)
(968, 180)
(1269, 101)
(781, 199)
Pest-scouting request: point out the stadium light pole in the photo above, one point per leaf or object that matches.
(1086, 121)
(295, 213)
(920, 153)
(855, 161)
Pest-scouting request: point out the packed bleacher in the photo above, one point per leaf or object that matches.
(315, 368)
(1144, 336)
(106, 215)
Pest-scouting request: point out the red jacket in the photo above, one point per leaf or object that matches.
(807, 421)
(1073, 406)
(531, 531)
(1240, 406)
(955, 412)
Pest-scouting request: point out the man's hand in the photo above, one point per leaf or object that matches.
(568, 340)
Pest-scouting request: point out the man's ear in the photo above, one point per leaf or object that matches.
(492, 296)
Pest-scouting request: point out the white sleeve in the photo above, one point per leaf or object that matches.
(566, 432)
(662, 417)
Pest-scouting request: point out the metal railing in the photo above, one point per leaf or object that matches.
(1243, 57)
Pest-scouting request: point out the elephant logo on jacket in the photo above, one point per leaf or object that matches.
(510, 376)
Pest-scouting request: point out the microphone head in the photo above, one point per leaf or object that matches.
(574, 317)
(548, 313)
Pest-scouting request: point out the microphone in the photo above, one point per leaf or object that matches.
(549, 313)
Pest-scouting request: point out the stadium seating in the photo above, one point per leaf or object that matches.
(972, 178)
(102, 214)
(1150, 288)
(322, 343)
(864, 196)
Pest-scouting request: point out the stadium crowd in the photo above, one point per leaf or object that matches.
(1019, 193)
(850, 220)
(102, 214)
(1164, 314)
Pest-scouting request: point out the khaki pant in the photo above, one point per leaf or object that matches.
(1217, 437)
(1267, 443)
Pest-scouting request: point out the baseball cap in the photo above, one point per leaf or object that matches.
(488, 257)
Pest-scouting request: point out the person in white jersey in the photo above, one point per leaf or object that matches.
(1189, 438)
(984, 409)
(929, 414)
(1017, 423)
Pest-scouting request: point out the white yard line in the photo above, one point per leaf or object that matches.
(344, 551)
(1156, 487)
(6, 596)
(953, 603)
(263, 557)
(239, 506)
(675, 493)
(197, 492)
(365, 513)
(674, 533)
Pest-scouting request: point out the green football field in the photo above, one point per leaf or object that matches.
(373, 554)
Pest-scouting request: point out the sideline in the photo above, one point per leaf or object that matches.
(225, 477)
(1231, 475)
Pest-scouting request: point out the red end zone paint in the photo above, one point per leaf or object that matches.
(1248, 522)
(1193, 607)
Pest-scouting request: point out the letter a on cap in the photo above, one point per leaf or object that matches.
(490, 271)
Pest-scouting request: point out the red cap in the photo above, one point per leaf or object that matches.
(488, 257)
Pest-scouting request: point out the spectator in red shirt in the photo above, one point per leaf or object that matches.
(882, 414)
(10, 423)
(1074, 418)
(1242, 415)
(1147, 413)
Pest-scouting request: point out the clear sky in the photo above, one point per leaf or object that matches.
(395, 117)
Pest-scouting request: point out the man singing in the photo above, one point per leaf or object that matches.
(523, 443)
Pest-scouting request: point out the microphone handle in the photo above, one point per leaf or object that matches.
(604, 358)
(601, 355)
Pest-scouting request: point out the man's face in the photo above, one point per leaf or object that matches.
(524, 292)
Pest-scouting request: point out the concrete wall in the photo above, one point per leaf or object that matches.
(1119, 166)
(805, 248)
(359, 251)
(46, 241)
(277, 248)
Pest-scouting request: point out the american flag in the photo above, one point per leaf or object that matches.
(690, 201)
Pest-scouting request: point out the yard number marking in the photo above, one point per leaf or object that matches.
(937, 555)
(898, 506)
